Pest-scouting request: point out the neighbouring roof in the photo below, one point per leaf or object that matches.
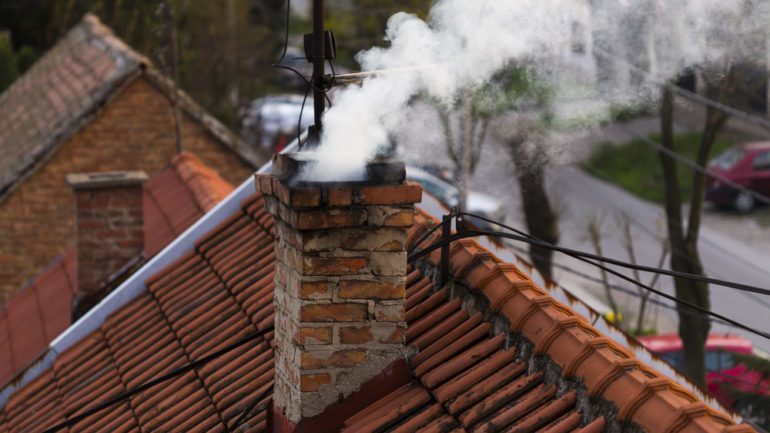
(68, 85)
(473, 370)
(173, 200)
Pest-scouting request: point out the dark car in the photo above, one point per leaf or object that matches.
(747, 165)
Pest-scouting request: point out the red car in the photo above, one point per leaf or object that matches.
(747, 165)
(721, 367)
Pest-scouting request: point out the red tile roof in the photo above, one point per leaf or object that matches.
(474, 369)
(71, 82)
(173, 199)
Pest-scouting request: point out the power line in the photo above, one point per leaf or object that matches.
(686, 93)
(248, 410)
(612, 286)
(586, 257)
(166, 377)
(703, 100)
(643, 268)
(693, 165)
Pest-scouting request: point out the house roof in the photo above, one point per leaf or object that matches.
(474, 369)
(173, 199)
(68, 85)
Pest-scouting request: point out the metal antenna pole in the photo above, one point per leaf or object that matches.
(319, 58)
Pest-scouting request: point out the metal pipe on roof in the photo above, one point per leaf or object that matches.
(319, 58)
(358, 77)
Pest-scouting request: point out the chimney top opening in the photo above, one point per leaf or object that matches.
(379, 171)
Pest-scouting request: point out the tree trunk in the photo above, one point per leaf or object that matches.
(467, 151)
(694, 326)
(542, 221)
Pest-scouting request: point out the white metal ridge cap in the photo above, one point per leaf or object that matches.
(134, 285)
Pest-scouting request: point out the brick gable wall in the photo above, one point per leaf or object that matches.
(134, 131)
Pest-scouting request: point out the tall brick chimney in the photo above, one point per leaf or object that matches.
(339, 283)
(110, 229)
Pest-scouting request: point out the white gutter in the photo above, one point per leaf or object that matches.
(134, 285)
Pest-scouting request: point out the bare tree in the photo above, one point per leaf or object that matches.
(644, 295)
(465, 151)
(593, 228)
(527, 147)
(694, 326)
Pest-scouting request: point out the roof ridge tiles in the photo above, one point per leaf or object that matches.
(205, 183)
(544, 320)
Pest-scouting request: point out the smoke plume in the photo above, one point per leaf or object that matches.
(465, 42)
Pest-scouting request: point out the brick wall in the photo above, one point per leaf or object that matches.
(339, 288)
(109, 226)
(133, 131)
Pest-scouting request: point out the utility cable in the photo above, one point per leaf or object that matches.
(686, 93)
(693, 165)
(147, 385)
(676, 274)
(615, 287)
(278, 64)
(245, 415)
(286, 35)
(702, 100)
(299, 122)
(523, 237)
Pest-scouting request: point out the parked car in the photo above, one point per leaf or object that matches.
(747, 165)
(478, 203)
(271, 122)
(723, 371)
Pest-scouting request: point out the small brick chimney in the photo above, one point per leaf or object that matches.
(339, 283)
(110, 229)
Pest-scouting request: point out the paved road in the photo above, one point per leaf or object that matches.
(579, 197)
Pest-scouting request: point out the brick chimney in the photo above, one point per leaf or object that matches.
(110, 229)
(339, 283)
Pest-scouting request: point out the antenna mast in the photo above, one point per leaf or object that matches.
(319, 57)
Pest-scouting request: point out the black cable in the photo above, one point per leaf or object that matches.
(147, 385)
(299, 74)
(286, 37)
(615, 287)
(331, 66)
(675, 274)
(580, 256)
(299, 122)
(423, 237)
(247, 411)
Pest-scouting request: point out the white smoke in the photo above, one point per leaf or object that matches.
(467, 41)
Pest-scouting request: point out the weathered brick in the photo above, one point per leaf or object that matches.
(388, 263)
(297, 197)
(383, 239)
(367, 289)
(264, 183)
(390, 194)
(329, 218)
(344, 312)
(315, 289)
(313, 335)
(356, 334)
(320, 240)
(314, 381)
(404, 218)
(340, 196)
(326, 359)
(389, 313)
(389, 333)
(333, 265)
